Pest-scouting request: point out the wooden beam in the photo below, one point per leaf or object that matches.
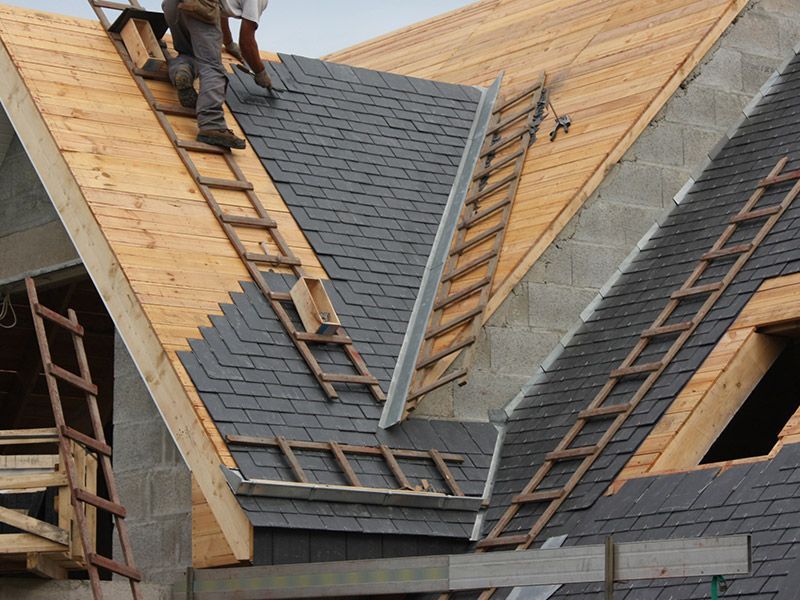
(44, 566)
(33, 526)
(32, 481)
(125, 309)
(23, 543)
(722, 400)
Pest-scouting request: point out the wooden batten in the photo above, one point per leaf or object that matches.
(141, 42)
(314, 306)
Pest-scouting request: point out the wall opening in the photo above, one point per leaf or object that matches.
(755, 428)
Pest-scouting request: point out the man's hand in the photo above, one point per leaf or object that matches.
(233, 49)
(263, 80)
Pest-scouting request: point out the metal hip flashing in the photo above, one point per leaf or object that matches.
(417, 325)
(346, 494)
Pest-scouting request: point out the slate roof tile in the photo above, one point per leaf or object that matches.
(366, 172)
(757, 498)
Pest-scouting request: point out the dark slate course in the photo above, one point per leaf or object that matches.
(365, 162)
(761, 498)
(254, 383)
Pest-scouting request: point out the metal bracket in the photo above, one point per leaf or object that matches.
(562, 122)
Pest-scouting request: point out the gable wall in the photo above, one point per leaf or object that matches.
(638, 191)
(31, 237)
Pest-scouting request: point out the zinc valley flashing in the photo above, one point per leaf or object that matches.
(420, 315)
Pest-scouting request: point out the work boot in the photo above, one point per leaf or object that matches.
(221, 137)
(184, 83)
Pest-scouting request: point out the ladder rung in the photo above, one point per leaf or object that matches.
(469, 267)
(603, 411)
(481, 215)
(115, 567)
(509, 120)
(86, 440)
(667, 329)
(272, 259)
(636, 369)
(452, 324)
(790, 176)
(58, 319)
(499, 165)
(154, 75)
(248, 221)
(419, 392)
(434, 358)
(503, 142)
(226, 184)
(195, 146)
(316, 338)
(347, 378)
(474, 241)
(72, 379)
(461, 294)
(697, 291)
(101, 503)
(571, 453)
(491, 189)
(729, 251)
(280, 296)
(175, 109)
(759, 213)
(508, 540)
(543, 496)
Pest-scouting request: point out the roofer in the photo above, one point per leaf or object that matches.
(199, 29)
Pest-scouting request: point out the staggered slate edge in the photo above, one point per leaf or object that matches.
(365, 162)
(759, 498)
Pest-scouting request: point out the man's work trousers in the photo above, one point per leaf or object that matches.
(199, 47)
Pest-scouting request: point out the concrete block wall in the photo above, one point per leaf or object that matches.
(31, 235)
(154, 483)
(638, 191)
(23, 201)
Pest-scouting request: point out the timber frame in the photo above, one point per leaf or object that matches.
(45, 549)
(131, 321)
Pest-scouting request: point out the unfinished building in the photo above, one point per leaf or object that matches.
(387, 328)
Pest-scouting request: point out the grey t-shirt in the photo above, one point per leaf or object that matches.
(244, 9)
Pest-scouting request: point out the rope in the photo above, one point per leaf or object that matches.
(7, 309)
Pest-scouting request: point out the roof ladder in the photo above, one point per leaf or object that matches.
(96, 443)
(240, 229)
(466, 283)
(581, 458)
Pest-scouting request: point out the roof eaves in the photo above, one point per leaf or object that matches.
(409, 352)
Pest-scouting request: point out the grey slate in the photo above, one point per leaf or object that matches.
(368, 191)
(365, 162)
(759, 498)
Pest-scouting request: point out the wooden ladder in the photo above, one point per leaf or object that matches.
(232, 223)
(96, 443)
(466, 284)
(339, 453)
(583, 457)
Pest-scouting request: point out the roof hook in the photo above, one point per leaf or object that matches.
(563, 122)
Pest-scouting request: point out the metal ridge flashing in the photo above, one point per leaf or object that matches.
(409, 351)
(316, 492)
